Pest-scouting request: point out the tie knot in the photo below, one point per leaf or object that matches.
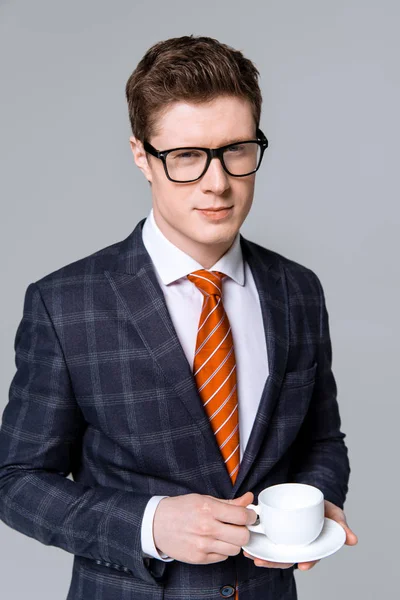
(208, 282)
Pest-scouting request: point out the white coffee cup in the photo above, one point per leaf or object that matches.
(290, 513)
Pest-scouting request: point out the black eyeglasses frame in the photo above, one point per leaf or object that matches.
(211, 153)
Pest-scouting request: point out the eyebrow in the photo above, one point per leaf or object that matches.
(236, 140)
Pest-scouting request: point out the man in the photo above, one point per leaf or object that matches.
(176, 373)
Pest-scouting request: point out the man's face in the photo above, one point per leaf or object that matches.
(177, 206)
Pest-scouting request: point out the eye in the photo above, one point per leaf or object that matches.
(236, 148)
(187, 154)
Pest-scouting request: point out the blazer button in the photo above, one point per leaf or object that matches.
(227, 591)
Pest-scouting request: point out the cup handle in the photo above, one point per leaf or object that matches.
(257, 528)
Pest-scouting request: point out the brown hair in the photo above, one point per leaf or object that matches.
(188, 68)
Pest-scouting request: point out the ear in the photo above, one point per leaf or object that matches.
(140, 157)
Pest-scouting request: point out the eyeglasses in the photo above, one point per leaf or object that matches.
(187, 164)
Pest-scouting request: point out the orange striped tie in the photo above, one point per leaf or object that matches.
(214, 369)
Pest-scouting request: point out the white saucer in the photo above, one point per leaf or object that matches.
(331, 538)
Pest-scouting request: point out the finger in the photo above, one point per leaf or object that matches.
(259, 562)
(351, 538)
(231, 534)
(235, 514)
(246, 498)
(272, 565)
(217, 546)
(337, 514)
(306, 566)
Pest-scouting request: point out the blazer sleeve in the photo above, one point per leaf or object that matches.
(321, 456)
(40, 437)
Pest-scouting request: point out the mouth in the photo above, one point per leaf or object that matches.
(209, 209)
(215, 213)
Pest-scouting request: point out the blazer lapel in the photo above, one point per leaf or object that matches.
(270, 281)
(133, 279)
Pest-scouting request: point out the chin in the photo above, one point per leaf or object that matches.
(217, 237)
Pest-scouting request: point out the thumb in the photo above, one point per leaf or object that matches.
(351, 537)
(243, 500)
(339, 516)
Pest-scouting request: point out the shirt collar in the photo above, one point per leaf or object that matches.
(172, 263)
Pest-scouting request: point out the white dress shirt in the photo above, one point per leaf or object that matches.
(184, 302)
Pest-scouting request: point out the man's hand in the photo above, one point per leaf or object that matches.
(332, 512)
(201, 529)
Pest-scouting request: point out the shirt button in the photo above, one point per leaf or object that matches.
(227, 591)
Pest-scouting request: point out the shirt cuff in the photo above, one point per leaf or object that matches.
(148, 546)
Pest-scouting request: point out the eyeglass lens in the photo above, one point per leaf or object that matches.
(240, 159)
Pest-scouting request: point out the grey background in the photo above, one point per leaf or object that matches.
(326, 196)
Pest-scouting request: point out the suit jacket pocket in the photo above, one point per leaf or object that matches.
(291, 409)
(92, 580)
(300, 378)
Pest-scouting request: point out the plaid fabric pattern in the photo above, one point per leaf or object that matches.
(103, 391)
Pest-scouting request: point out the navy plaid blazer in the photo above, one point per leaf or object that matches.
(103, 391)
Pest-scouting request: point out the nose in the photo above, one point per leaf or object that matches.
(215, 178)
